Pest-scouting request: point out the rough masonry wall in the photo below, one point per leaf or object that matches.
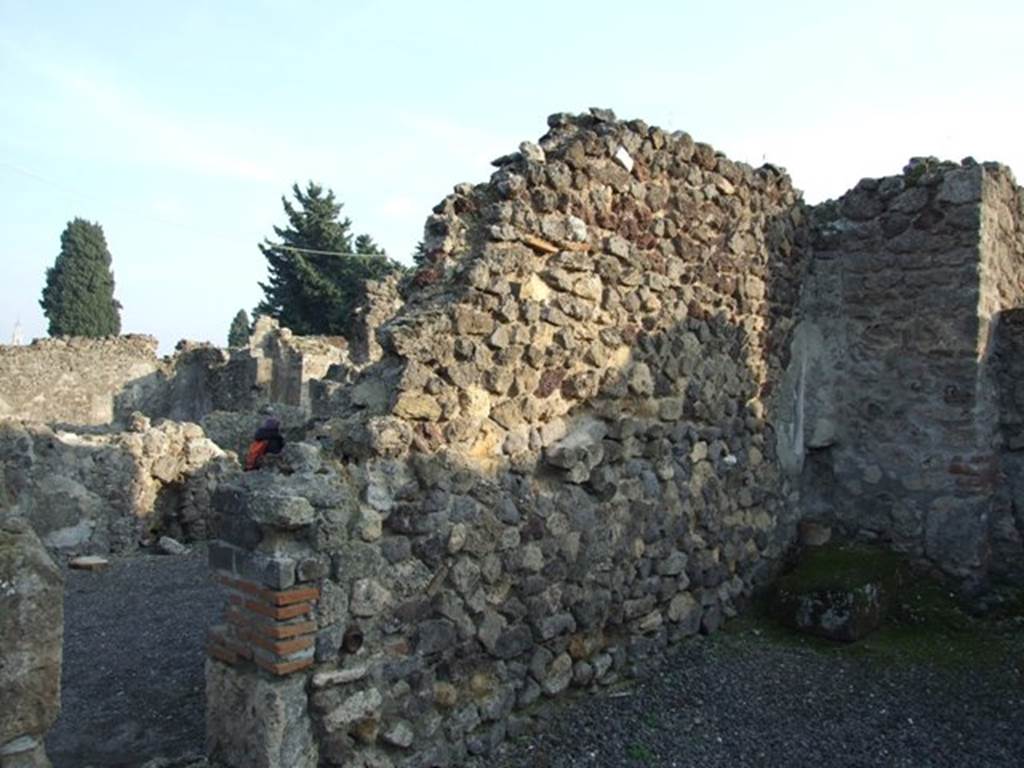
(380, 301)
(1002, 242)
(564, 460)
(91, 494)
(124, 482)
(900, 412)
(97, 382)
(287, 364)
(76, 380)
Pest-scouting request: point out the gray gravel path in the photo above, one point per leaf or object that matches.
(745, 700)
(133, 680)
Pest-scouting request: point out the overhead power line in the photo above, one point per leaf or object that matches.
(313, 250)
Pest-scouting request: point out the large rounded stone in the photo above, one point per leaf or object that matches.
(839, 592)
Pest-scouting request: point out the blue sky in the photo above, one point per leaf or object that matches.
(178, 126)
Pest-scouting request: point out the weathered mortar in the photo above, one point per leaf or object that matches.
(563, 461)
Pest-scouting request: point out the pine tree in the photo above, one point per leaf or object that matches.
(238, 334)
(419, 256)
(315, 271)
(78, 298)
(366, 246)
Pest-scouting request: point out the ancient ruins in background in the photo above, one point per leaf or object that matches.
(585, 428)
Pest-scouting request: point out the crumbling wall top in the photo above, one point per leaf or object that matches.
(547, 288)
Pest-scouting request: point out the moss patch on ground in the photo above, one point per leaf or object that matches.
(841, 567)
(927, 623)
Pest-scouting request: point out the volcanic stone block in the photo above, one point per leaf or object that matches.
(840, 593)
(237, 700)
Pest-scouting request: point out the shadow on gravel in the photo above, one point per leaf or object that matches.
(133, 679)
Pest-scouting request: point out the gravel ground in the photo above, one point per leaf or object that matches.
(746, 700)
(133, 680)
(133, 690)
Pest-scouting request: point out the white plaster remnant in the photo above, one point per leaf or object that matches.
(624, 158)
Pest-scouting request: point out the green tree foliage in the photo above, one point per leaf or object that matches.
(315, 272)
(419, 256)
(78, 298)
(238, 334)
(366, 246)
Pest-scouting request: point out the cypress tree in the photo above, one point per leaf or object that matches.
(238, 334)
(316, 270)
(78, 298)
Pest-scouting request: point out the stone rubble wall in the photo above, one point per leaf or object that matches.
(900, 412)
(202, 379)
(31, 644)
(563, 461)
(77, 380)
(1003, 275)
(94, 494)
(381, 301)
(119, 482)
(288, 364)
(1007, 523)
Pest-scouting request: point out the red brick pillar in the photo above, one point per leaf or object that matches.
(257, 705)
(270, 627)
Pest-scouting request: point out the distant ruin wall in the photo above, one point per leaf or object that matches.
(380, 301)
(902, 434)
(294, 362)
(563, 461)
(83, 382)
(77, 380)
(124, 482)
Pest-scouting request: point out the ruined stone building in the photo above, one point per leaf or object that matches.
(587, 429)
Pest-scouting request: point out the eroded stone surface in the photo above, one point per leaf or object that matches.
(31, 637)
(562, 460)
(97, 493)
(236, 703)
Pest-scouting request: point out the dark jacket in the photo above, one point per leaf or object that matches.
(275, 441)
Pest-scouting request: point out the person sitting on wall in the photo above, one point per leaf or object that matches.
(268, 439)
